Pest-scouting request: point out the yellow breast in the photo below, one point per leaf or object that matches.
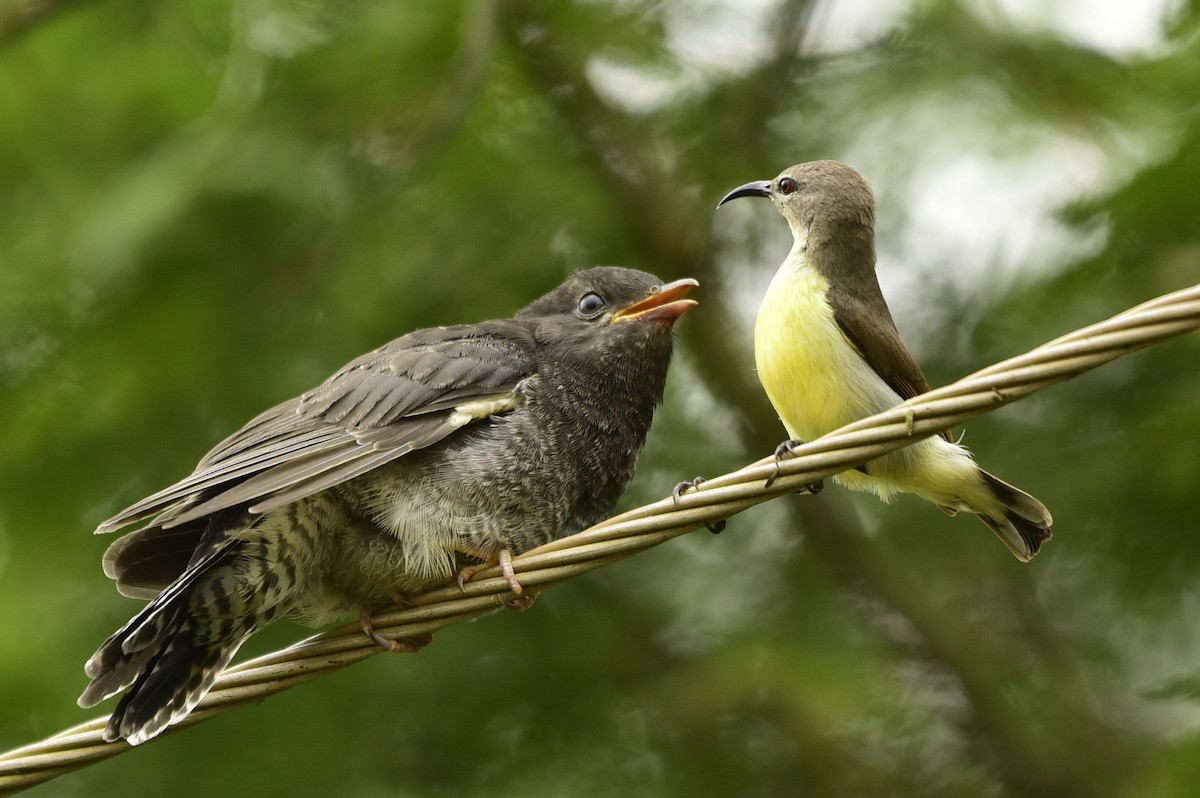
(818, 382)
(815, 379)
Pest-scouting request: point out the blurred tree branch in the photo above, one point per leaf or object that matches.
(671, 226)
(456, 95)
(21, 17)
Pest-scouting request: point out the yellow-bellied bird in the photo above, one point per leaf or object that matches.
(828, 353)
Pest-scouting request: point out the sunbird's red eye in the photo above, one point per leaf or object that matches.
(787, 185)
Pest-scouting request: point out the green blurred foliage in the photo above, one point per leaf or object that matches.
(208, 207)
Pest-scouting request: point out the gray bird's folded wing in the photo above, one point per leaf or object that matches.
(402, 397)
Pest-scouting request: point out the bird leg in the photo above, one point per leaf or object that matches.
(408, 645)
(503, 558)
(716, 527)
(521, 600)
(788, 448)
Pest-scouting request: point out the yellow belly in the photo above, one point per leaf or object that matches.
(815, 379)
(817, 382)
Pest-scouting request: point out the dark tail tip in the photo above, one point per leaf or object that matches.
(1027, 522)
(1032, 533)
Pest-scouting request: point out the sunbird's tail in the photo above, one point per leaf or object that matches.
(1026, 522)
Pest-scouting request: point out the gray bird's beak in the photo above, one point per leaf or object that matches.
(665, 304)
(759, 188)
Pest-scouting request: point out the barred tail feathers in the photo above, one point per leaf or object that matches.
(164, 665)
(170, 653)
(177, 679)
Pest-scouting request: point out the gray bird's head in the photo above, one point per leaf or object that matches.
(609, 302)
(605, 347)
(828, 205)
(611, 327)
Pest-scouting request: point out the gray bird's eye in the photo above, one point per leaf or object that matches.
(787, 186)
(591, 304)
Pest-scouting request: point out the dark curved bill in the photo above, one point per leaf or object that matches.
(666, 304)
(759, 188)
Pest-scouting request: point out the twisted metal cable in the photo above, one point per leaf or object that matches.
(645, 527)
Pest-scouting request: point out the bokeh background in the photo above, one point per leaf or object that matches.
(207, 207)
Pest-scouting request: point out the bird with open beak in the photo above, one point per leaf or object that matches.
(450, 445)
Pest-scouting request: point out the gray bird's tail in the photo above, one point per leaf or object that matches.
(163, 660)
(1026, 523)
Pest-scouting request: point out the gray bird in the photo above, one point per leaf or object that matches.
(448, 445)
(828, 353)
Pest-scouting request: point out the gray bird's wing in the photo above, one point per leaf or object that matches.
(402, 397)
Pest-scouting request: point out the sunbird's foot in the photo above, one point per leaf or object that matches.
(788, 449)
(716, 527)
(785, 449)
(684, 487)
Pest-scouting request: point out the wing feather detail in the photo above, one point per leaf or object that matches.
(402, 397)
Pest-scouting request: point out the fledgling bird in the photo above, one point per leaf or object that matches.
(828, 353)
(476, 441)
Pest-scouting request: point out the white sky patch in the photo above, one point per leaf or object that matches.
(1117, 27)
(841, 27)
(719, 35)
(285, 32)
(973, 216)
(632, 89)
(706, 38)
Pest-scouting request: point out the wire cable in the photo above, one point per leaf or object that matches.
(645, 527)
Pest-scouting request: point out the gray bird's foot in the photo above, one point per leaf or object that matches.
(504, 560)
(401, 601)
(407, 645)
(522, 602)
(716, 527)
(788, 449)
